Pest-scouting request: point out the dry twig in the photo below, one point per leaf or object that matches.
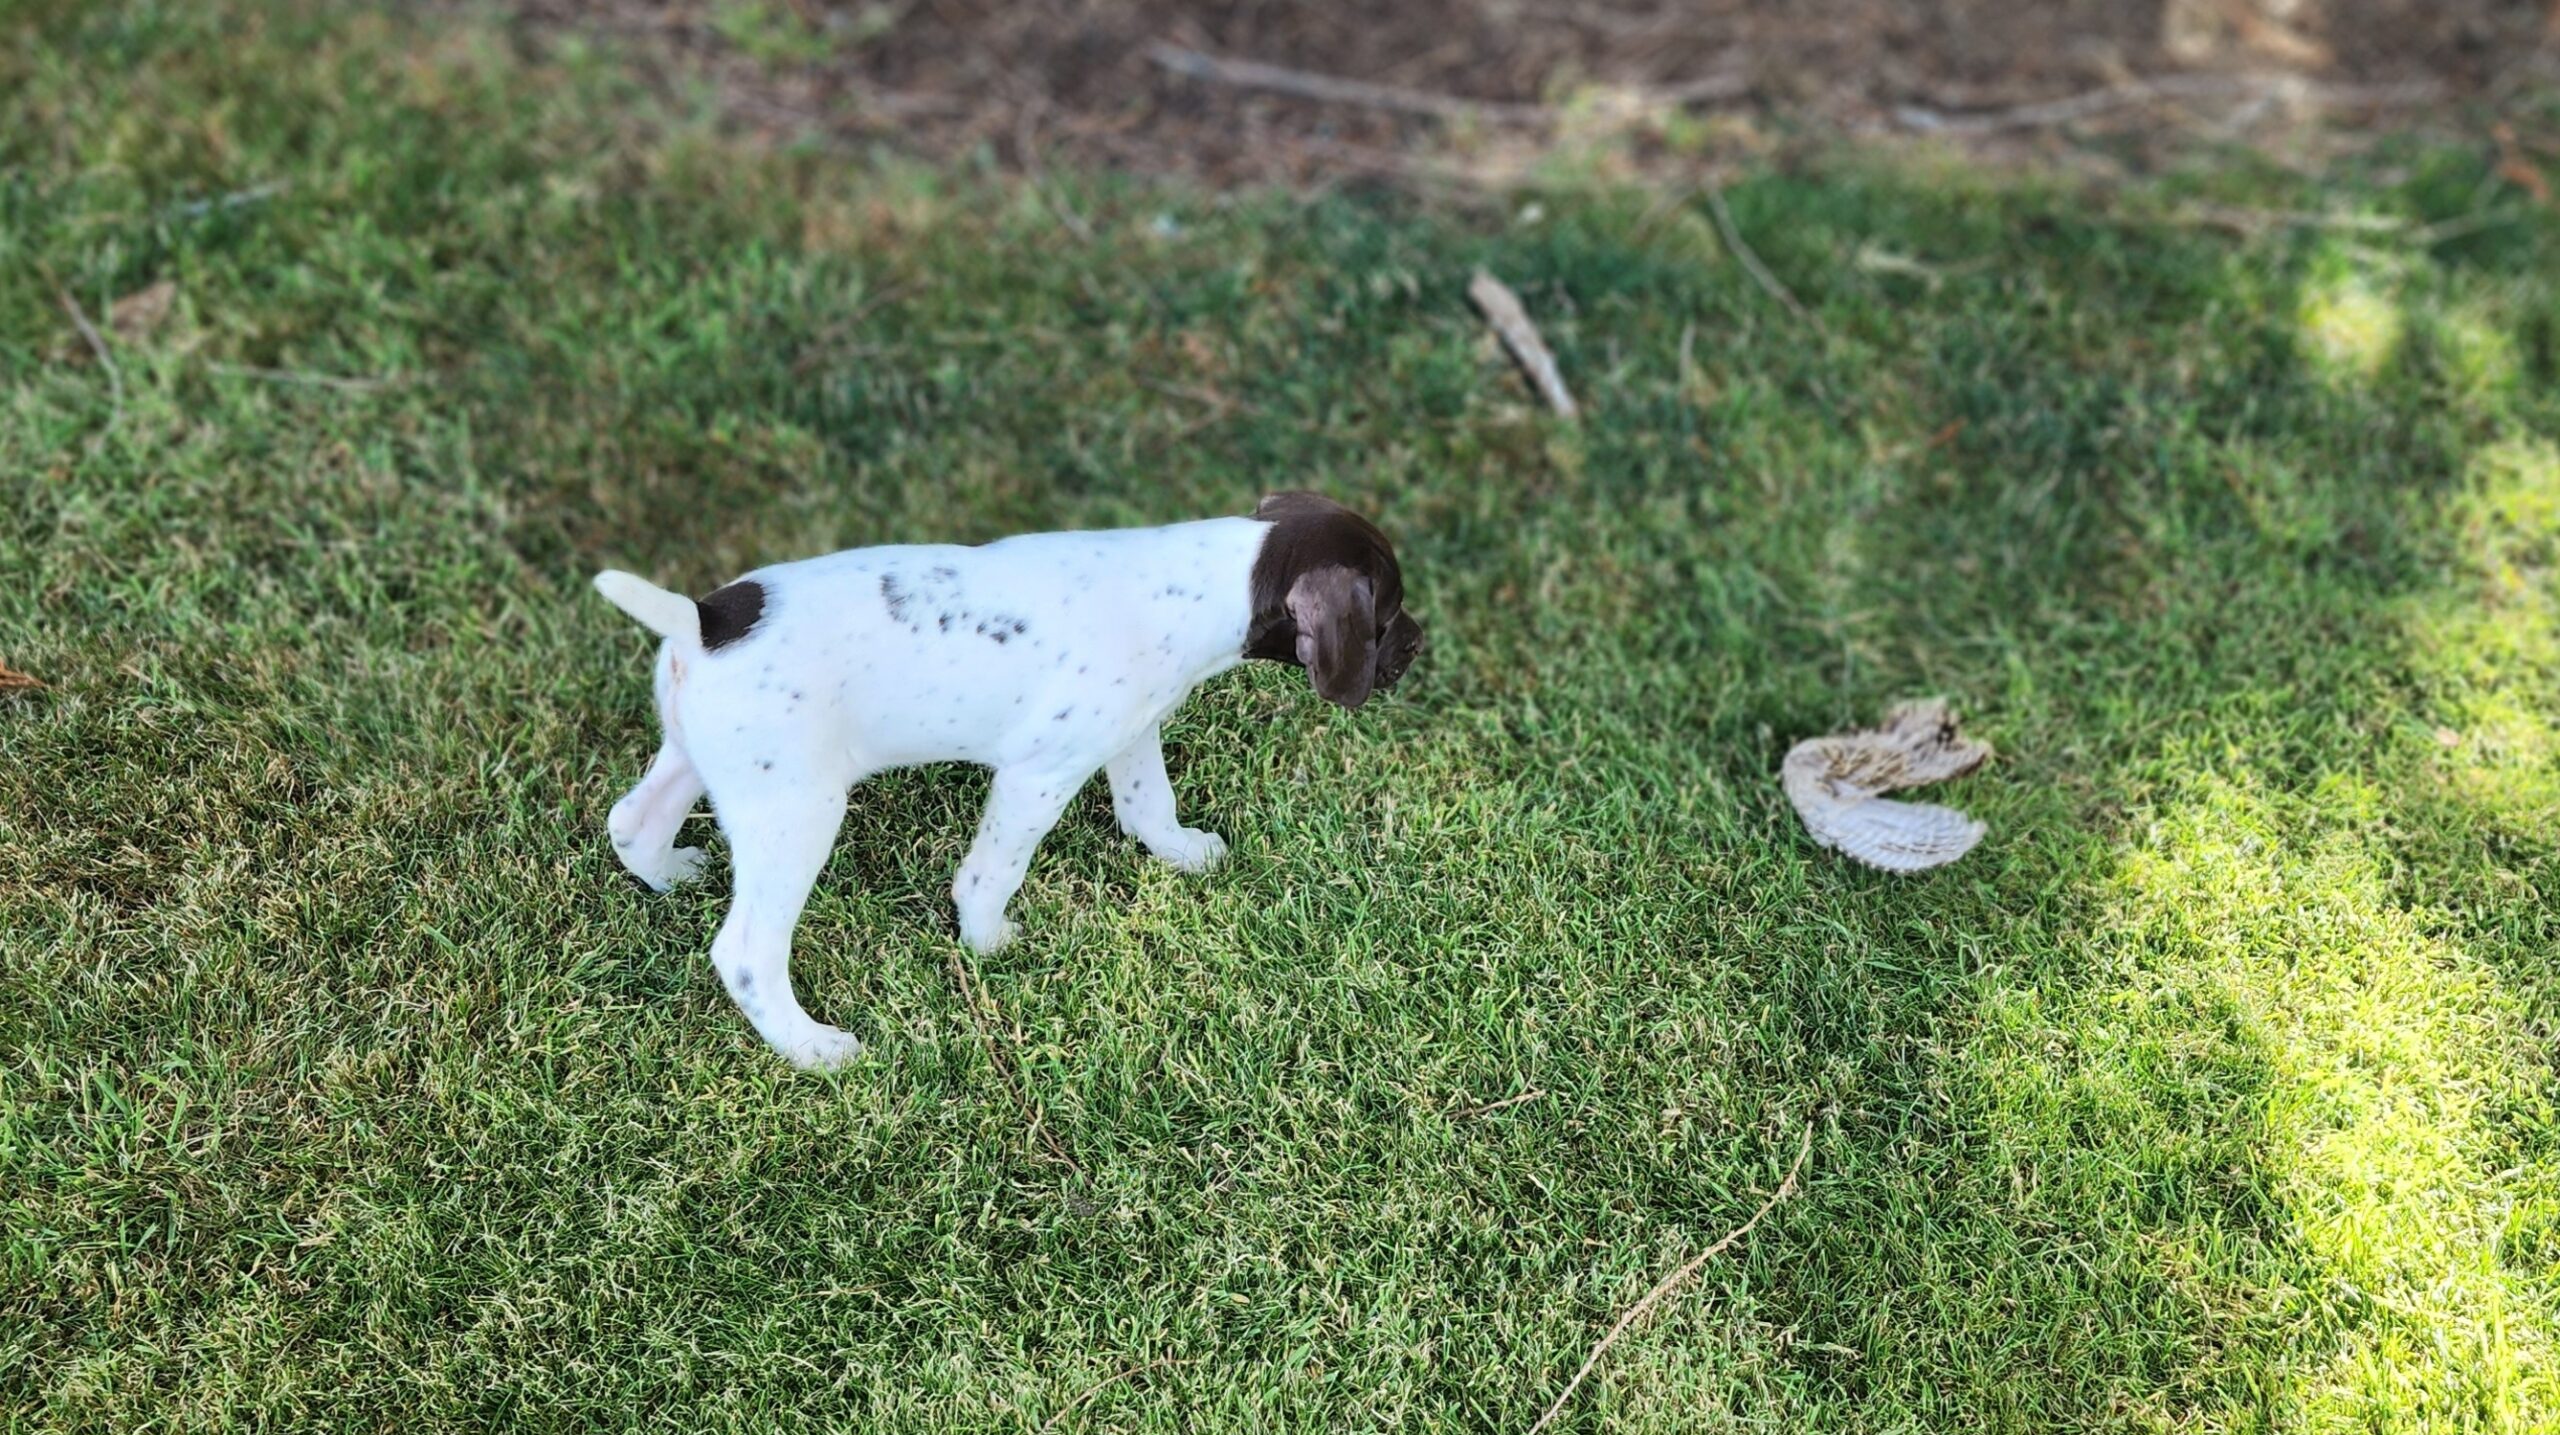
(1307, 85)
(98, 346)
(11, 680)
(2250, 223)
(2277, 85)
(1026, 144)
(298, 376)
(1490, 1107)
(1031, 1115)
(1503, 311)
(1334, 89)
(1751, 261)
(1104, 1383)
(1635, 1312)
(199, 208)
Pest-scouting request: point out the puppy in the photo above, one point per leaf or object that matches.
(1044, 657)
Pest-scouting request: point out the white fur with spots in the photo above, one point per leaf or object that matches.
(1045, 657)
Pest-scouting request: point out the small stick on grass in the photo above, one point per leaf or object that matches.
(1334, 89)
(1132, 1373)
(1251, 75)
(1490, 1107)
(199, 208)
(1502, 310)
(2203, 87)
(1635, 1312)
(1751, 261)
(1031, 1115)
(11, 679)
(98, 346)
(298, 376)
(1026, 144)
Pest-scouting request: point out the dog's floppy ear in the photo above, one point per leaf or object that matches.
(1335, 611)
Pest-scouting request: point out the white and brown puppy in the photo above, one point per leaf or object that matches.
(1044, 657)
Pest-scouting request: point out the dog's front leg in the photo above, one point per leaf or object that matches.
(1142, 798)
(1022, 805)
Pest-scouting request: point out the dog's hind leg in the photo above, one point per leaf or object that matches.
(644, 823)
(779, 837)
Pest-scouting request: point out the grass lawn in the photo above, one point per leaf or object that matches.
(346, 1082)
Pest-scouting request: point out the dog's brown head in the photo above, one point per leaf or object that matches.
(1328, 596)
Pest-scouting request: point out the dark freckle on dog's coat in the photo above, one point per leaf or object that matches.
(1062, 714)
(727, 614)
(764, 764)
(894, 597)
(946, 574)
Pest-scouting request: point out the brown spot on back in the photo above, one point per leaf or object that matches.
(730, 613)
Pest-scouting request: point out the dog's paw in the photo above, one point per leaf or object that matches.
(987, 938)
(683, 865)
(825, 1048)
(679, 866)
(1194, 851)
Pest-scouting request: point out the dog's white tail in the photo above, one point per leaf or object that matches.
(669, 615)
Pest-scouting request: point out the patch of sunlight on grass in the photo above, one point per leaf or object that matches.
(2349, 329)
(2477, 357)
(2395, 1071)
(2488, 648)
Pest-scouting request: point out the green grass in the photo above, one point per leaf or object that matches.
(345, 1083)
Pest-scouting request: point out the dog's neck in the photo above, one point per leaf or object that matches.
(1199, 583)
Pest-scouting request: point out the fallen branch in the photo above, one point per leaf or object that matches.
(1334, 89)
(1751, 261)
(2259, 86)
(1635, 1312)
(1030, 1114)
(1103, 1384)
(1502, 310)
(11, 680)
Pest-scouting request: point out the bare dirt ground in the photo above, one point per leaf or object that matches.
(1472, 89)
